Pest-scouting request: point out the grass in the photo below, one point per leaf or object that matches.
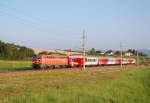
(76, 86)
(6, 65)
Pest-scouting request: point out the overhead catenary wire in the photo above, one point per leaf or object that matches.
(29, 18)
(21, 20)
(14, 9)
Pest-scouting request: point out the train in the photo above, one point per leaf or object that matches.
(61, 61)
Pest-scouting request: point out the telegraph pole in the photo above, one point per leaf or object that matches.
(121, 54)
(83, 45)
(137, 58)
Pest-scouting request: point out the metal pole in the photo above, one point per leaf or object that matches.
(84, 37)
(121, 54)
(137, 58)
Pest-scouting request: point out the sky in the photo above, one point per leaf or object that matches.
(59, 24)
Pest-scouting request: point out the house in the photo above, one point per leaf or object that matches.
(109, 52)
(128, 54)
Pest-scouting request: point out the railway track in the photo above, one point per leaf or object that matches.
(105, 69)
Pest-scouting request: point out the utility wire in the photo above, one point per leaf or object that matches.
(31, 18)
(24, 21)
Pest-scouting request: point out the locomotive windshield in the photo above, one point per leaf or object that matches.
(35, 57)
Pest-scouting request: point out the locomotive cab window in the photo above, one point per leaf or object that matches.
(34, 57)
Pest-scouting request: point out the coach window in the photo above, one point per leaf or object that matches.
(85, 59)
(93, 60)
(90, 60)
(112, 60)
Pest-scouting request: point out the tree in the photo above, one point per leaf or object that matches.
(92, 52)
(117, 53)
(98, 52)
(12, 51)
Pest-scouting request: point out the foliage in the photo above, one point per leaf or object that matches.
(92, 51)
(117, 53)
(134, 52)
(12, 51)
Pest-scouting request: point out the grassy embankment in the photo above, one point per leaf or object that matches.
(76, 86)
(6, 65)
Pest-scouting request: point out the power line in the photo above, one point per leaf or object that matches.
(25, 21)
(29, 18)
(20, 11)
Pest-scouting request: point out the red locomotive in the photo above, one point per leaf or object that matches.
(50, 61)
(55, 61)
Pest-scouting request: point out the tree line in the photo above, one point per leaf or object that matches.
(12, 51)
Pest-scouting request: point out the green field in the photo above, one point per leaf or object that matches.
(6, 65)
(96, 85)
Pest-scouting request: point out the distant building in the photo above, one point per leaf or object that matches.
(128, 54)
(109, 52)
(102, 53)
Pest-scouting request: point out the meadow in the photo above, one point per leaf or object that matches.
(9, 65)
(94, 85)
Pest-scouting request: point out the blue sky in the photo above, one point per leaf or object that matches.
(58, 24)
